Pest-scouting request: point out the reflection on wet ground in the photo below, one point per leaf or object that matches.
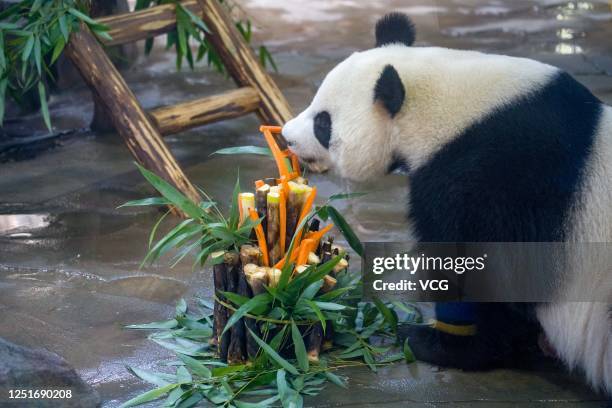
(69, 260)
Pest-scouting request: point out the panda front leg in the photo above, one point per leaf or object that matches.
(476, 336)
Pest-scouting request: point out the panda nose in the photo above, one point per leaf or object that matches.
(290, 143)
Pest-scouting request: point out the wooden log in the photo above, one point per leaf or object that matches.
(236, 352)
(142, 138)
(142, 24)
(227, 105)
(243, 66)
(314, 341)
(220, 315)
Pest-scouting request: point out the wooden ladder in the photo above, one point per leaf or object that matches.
(142, 131)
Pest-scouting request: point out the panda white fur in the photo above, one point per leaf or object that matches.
(496, 149)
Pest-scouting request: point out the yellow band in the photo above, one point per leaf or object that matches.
(455, 329)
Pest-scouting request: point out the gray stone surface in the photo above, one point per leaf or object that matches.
(23, 368)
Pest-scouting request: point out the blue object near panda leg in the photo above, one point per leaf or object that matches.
(475, 336)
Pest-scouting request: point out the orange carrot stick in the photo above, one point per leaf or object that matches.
(305, 249)
(276, 152)
(261, 237)
(259, 183)
(317, 235)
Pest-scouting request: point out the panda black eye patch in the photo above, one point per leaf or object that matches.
(322, 128)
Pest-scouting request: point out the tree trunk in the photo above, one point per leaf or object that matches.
(128, 117)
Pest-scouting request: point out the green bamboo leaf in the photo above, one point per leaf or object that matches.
(300, 347)
(235, 208)
(155, 227)
(317, 312)
(146, 202)
(390, 317)
(196, 366)
(166, 324)
(347, 196)
(235, 298)
(171, 193)
(148, 376)
(408, 354)
(335, 379)
(257, 150)
(329, 306)
(27, 48)
(346, 230)
(149, 396)
(336, 293)
(274, 355)
(261, 300)
(261, 404)
(181, 307)
(183, 376)
(64, 27)
(85, 18)
(44, 108)
(38, 55)
(57, 49)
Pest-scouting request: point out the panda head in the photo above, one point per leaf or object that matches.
(349, 124)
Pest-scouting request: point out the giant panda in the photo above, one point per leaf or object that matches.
(496, 149)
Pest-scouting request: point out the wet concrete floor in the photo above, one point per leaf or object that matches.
(69, 275)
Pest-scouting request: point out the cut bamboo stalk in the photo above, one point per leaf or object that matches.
(313, 259)
(220, 313)
(246, 204)
(294, 207)
(271, 181)
(273, 227)
(257, 277)
(301, 180)
(140, 135)
(261, 203)
(188, 115)
(273, 276)
(250, 254)
(314, 341)
(236, 352)
(329, 283)
(328, 338)
(340, 266)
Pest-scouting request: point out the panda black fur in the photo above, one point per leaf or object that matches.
(497, 149)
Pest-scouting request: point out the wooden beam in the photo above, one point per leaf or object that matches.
(243, 65)
(130, 120)
(231, 104)
(143, 24)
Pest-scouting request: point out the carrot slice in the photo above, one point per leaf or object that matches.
(316, 236)
(283, 219)
(305, 249)
(261, 238)
(259, 183)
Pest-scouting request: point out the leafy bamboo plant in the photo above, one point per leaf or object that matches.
(33, 34)
(365, 334)
(191, 27)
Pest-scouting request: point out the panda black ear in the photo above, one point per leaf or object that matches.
(390, 91)
(395, 28)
